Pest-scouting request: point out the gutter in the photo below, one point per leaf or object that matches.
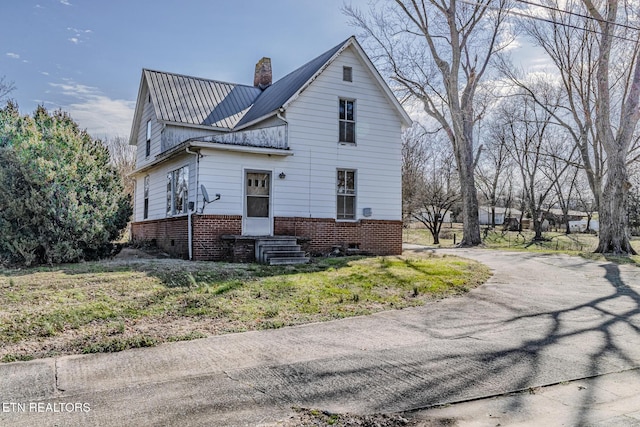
(189, 221)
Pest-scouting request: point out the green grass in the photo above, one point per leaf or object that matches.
(112, 306)
(554, 242)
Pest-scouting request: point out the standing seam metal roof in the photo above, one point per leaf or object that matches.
(196, 101)
(278, 93)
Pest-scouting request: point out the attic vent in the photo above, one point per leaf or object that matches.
(347, 74)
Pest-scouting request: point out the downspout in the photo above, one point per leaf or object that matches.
(281, 111)
(195, 209)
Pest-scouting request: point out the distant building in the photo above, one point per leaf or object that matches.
(484, 214)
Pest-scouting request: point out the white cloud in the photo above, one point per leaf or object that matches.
(44, 73)
(78, 35)
(77, 31)
(65, 2)
(13, 55)
(101, 115)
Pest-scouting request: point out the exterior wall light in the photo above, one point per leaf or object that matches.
(282, 175)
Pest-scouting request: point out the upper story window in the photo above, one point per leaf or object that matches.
(347, 122)
(347, 74)
(178, 191)
(346, 194)
(148, 146)
(145, 214)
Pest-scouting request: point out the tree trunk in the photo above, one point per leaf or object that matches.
(463, 147)
(493, 216)
(614, 229)
(537, 227)
(471, 224)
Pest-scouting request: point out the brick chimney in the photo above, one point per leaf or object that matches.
(263, 76)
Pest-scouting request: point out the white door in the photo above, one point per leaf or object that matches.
(257, 206)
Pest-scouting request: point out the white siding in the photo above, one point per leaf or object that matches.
(158, 187)
(313, 136)
(309, 189)
(148, 113)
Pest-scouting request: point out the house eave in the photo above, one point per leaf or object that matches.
(182, 147)
(256, 121)
(194, 126)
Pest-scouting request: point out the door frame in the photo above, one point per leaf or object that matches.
(245, 217)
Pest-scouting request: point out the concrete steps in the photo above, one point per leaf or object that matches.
(279, 250)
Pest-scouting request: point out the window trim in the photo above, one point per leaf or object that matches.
(347, 74)
(345, 120)
(148, 143)
(171, 211)
(354, 195)
(145, 208)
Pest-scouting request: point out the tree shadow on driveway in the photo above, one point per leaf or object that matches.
(478, 346)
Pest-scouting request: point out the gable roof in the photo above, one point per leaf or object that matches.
(277, 95)
(221, 106)
(196, 101)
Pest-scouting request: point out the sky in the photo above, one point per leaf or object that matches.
(86, 56)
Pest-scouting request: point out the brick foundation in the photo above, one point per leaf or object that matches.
(207, 233)
(378, 237)
(170, 235)
(320, 235)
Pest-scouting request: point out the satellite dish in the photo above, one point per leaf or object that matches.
(205, 195)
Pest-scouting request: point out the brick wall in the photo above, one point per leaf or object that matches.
(379, 237)
(207, 230)
(168, 234)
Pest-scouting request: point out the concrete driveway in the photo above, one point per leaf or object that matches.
(540, 320)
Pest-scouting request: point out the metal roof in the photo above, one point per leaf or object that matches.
(209, 103)
(275, 96)
(197, 101)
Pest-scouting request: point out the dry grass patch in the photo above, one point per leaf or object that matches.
(115, 305)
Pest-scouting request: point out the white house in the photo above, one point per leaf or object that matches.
(484, 214)
(315, 155)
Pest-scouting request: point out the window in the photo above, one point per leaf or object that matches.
(148, 148)
(346, 191)
(258, 189)
(347, 121)
(178, 191)
(146, 197)
(347, 74)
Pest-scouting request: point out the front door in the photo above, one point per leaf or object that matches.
(257, 218)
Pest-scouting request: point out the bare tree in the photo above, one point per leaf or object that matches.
(6, 87)
(533, 144)
(439, 190)
(495, 163)
(615, 135)
(584, 200)
(564, 173)
(595, 47)
(437, 52)
(123, 157)
(414, 159)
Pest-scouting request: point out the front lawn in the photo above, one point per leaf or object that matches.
(115, 305)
